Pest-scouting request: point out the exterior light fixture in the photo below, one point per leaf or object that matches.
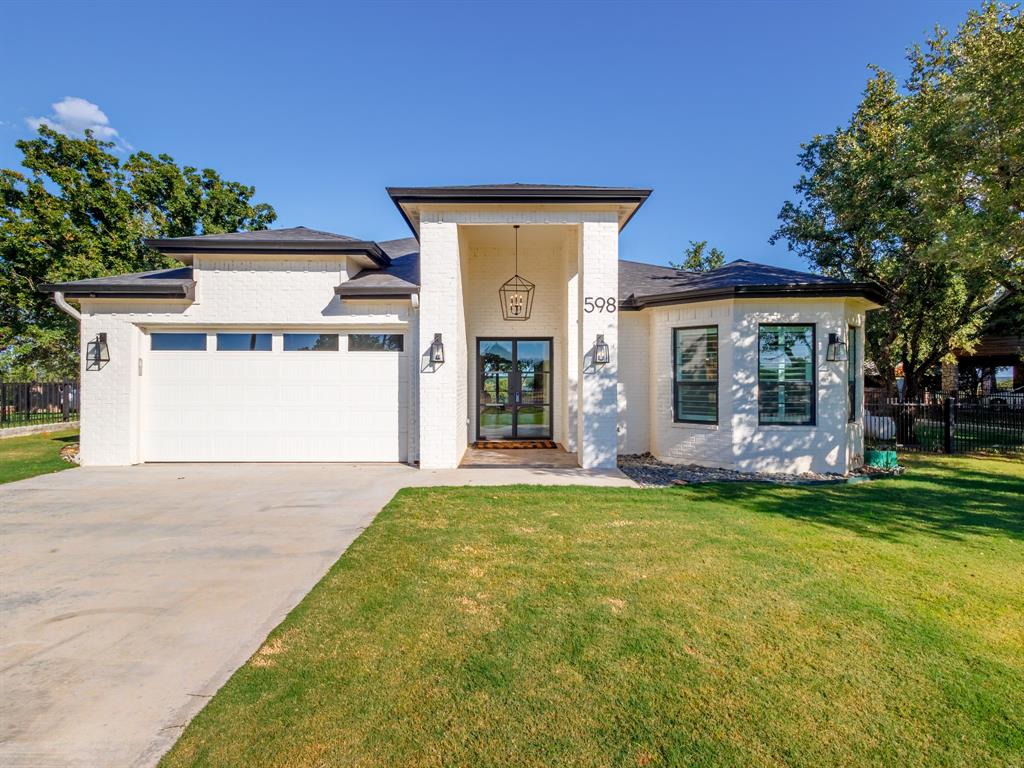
(517, 293)
(437, 350)
(97, 353)
(602, 355)
(836, 349)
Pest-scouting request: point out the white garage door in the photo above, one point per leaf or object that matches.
(275, 397)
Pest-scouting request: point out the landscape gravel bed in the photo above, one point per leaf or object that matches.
(648, 472)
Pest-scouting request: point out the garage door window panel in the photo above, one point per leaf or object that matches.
(177, 342)
(243, 342)
(310, 342)
(376, 342)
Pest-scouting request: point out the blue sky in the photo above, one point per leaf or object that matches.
(322, 106)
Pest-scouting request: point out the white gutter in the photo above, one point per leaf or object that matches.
(59, 300)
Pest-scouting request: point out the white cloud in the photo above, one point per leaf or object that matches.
(73, 116)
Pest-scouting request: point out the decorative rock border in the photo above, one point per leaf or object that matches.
(648, 472)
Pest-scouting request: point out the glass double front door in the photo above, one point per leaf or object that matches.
(514, 389)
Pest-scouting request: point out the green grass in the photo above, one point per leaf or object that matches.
(22, 457)
(715, 625)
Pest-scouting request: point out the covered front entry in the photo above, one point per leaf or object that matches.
(514, 389)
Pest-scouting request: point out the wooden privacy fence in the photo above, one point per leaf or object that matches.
(947, 423)
(24, 404)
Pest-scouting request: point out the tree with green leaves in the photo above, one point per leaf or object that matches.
(75, 211)
(699, 258)
(922, 192)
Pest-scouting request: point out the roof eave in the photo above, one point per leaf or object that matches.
(526, 195)
(357, 292)
(837, 291)
(401, 196)
(183, 290)
(403, 296)
(184, 246)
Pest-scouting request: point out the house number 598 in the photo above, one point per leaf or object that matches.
(600, 304)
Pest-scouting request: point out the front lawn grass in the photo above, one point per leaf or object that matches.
(715, 625)
(31, 455)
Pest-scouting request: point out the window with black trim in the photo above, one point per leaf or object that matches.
(695, 361)
(177, 342)
(243, 342)
(310, 342)
(851, 370)
(376, 342)
(786, 391)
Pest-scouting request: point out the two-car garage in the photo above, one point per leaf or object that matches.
(272, 395)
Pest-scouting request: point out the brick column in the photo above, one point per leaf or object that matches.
(597, 388)
(110, 395)
(442, 417)
(572, 347)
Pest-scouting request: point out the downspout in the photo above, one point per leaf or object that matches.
(60, 301)
(413, 441)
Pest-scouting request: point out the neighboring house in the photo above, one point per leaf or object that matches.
(998, 353)
(300, 345)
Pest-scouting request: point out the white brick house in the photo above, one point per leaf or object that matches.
(301, 345)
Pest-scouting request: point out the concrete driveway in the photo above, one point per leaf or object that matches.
(129, 595)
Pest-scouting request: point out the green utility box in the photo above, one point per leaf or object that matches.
(882, 459)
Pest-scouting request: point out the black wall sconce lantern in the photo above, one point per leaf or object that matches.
(517, 293)
(602, 355)
(836, 349)
(97, 353)
(437, 350)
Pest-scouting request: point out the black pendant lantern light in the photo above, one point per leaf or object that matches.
(516, 294)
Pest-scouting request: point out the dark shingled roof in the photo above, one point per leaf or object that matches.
(640, 285)
(159, 283)
(401, 278)
(286, 234)
(288, 240)
(644, 285)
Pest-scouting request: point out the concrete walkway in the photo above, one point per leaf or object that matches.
(129, 595)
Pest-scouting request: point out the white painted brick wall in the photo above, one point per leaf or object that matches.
(634, 400)
(110, 395)
(709, 445)
(443, 389)
(738, 442)
(818, 448)
(598, 404)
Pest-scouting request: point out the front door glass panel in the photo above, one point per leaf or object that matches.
(496, 412)
(514, 389)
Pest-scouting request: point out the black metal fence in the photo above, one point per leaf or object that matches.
(25, 404)
(946, 423)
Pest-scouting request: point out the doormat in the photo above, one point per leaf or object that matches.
(501, 445)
